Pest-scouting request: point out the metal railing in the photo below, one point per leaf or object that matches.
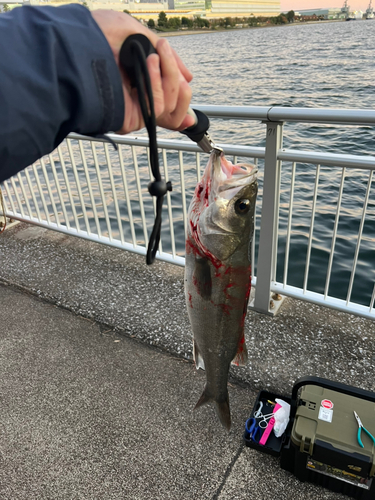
(87, 189)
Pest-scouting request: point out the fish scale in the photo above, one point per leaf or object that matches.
(218, 273)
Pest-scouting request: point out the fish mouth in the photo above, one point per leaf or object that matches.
(231, 178)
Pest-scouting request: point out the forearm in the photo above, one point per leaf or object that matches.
(58, 75)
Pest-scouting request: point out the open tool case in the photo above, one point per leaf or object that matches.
(320, 444)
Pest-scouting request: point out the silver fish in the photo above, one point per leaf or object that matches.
(218, 273)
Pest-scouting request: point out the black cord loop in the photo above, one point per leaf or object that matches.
(158, 187)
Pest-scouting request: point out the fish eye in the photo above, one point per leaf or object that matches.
(242, 206)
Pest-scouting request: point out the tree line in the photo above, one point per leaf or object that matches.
(176, 23)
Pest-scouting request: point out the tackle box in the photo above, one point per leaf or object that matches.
(320, 444)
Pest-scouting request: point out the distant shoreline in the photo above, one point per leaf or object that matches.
(221, 30)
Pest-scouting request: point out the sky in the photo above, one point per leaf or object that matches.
(323, 4)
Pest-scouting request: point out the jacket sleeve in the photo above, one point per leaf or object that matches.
(57, 75)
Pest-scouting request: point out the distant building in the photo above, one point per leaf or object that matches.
(335, 13)
(138, 6)
(245, 8)
(190, 5)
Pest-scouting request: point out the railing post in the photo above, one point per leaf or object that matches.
(267, 253)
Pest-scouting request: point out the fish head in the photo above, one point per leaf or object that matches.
(221, 214)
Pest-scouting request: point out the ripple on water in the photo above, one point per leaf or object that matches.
(322, 65)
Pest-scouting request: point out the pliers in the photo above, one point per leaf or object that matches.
(252, 427)
(359, 431)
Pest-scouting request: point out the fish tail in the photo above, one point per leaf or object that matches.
(221, 407)
(223, 412)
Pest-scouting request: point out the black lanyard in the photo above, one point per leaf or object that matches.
(133, 54)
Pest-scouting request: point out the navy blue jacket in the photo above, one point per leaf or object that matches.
(57, 75)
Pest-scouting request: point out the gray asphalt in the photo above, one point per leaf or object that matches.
(97, 387)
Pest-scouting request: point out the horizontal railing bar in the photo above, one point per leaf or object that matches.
(317, 298)
(283, 114)
(329, 159)
(176, 145)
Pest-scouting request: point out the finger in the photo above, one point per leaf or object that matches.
(171, 75)
(153, 66)
(133, 119)
(181, 66)
(179, 119)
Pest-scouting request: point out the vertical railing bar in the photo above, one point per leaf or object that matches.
(286, 262)
(183, 192)
(308, 256)
(26, 198)
(198, 166)
(160, 246)
(9, 195)
(17, 197)
(78, 184)
(89, 187)
(276, 226)
(269, 216)
(32, 194)
(36, 174)
(50, 192)
(128, 201)
(253, 243)
(359, 237)
(138, 182)
(101, 190)
(3, 204)
(59, 192)
(169, 204)
(117, 209)
(334, 233)
(372, 299)
(234, 159)
(67, 184)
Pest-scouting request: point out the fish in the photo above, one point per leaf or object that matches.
(218, 273)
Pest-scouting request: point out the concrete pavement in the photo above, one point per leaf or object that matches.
(97, 391)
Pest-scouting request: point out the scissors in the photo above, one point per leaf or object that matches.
(253, 429)
(359, 431)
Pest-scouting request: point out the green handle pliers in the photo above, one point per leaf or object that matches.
(359, 431)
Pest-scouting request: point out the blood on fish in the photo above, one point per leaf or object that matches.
(226, 292)
(226, 308)
(199, 249)
(190, 301)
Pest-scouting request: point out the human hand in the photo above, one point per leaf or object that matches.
(169, 76)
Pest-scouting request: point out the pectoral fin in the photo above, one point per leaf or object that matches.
(202, 278)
